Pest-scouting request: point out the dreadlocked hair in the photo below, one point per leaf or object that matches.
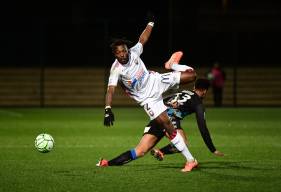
(118, 42)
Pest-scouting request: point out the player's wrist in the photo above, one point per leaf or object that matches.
(151, 23)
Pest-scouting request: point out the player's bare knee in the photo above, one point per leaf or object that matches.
(188, 76)
(193, 75)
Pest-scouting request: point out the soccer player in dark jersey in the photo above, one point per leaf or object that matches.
(179, 106)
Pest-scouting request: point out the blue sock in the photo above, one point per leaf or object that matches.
(133, 154)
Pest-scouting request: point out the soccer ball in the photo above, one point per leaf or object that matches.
(44, 143)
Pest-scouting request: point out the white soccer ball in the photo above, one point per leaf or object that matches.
(44, 143)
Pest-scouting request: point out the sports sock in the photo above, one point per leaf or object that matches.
(169, 149)
(124, 158)
(181, 146)
(181, 68)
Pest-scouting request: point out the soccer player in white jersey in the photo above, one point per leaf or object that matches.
(146, 88)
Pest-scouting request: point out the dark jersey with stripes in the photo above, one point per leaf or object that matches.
(189, 102)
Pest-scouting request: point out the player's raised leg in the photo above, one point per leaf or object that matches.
(188, 74)
(174, 59)
(187, 77)
(174, 63)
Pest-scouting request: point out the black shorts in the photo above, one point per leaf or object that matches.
(154, 129)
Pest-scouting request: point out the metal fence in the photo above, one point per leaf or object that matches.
(36, 87)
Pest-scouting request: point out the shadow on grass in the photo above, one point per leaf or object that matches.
(243, 165)
(247, 171)
(266, 172)
(239, 170)
(211, 165)
(236, 170)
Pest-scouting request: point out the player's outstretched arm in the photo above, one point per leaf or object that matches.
(201, 122)
(146, 33)
(204, 130)
(108, 114)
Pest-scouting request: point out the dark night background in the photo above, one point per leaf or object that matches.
(78, 33)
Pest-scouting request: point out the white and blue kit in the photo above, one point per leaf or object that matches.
(145, 87)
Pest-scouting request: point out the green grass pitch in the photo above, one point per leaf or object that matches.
(250, 138)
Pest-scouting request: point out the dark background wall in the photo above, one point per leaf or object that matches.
(78, 33)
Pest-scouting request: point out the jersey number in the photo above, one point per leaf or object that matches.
(184, 96)
(148, 110)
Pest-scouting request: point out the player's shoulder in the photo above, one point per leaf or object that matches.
(115, 65)
(137, 48)
(133, 55)
(138, 45)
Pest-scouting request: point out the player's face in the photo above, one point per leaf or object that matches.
(121, 53)
(201, 93)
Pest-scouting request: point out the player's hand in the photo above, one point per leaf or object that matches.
(108, 116)
(218, 153)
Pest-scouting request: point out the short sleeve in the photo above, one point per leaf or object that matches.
(114, 76)
(137, 49)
